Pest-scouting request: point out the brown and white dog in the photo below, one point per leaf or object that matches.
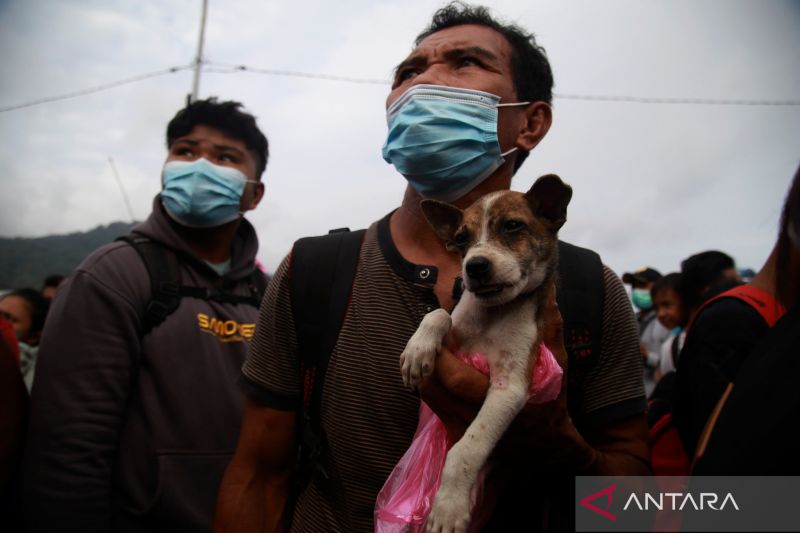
(509, 248)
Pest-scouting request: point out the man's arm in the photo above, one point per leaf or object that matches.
(78, 401)
(255, 487)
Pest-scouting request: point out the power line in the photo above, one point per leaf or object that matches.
(689, 101)
(223, 68)
(96, 88)
(231, 69)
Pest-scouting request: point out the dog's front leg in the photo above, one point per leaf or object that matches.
(416, 362)
(452, 505)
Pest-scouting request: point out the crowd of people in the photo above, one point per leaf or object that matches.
(174, 386)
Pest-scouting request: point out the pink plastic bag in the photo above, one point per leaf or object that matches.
(403, 504)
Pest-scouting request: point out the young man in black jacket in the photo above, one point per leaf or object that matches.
(136, 411)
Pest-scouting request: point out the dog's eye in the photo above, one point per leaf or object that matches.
(511, 226)
(461, 239)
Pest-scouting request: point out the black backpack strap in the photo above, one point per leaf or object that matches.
(217, 294)
(580, 297)
(163, 269)
(321, 279)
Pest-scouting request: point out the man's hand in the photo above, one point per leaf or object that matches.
(543, 434)
(455, 392)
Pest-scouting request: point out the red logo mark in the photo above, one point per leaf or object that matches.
(607, 492)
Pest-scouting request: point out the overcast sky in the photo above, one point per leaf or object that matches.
(653, 183)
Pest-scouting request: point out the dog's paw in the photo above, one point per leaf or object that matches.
(450, 513)
(417, 360)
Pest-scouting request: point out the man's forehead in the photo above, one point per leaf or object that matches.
(464, 36)
(209, 134)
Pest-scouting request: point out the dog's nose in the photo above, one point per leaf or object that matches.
(478, 268)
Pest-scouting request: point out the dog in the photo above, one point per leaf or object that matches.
(509, 248)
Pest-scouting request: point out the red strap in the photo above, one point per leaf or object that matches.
(767, 306)
(667, 454)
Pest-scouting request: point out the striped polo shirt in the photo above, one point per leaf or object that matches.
(367, 415)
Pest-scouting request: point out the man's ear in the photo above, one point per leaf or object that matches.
(445, 219)
(258, 195)
(538, 118)
(548, 198)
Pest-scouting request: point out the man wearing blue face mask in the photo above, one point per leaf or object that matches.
(466, 108)
(136, 410)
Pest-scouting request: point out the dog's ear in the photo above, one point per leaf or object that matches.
(445, 219)
(549, 197)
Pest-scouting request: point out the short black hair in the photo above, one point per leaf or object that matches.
(670, 281)
(532, 76)
(785, 280)
(227, 117)
(702, 271)
(53, 280)
(37, 306)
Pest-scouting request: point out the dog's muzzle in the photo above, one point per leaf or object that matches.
(480, 281)
(479, 269)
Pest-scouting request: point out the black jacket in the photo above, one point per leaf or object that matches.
(132, 432)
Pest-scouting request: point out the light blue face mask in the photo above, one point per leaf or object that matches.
(200, 194)
(444, 139)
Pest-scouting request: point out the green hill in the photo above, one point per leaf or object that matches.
(25, 262)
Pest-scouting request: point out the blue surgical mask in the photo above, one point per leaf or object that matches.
(642, 299)
(200, 194)
(444, 139)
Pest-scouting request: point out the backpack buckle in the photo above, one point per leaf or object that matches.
(213, 293)
(168, 288)
(158, 311)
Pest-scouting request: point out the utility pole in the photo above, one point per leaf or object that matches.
(198, 60)
(122, 189)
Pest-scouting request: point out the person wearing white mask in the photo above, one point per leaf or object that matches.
(467, 106)
(135, 409)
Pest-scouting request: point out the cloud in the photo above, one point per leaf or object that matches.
(653, 183)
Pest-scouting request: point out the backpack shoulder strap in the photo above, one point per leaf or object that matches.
(763, 302)
(163, 269)
(321, 277)
(580, 296)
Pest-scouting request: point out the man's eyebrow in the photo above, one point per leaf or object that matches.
(478, 51)
(228, 148)
(413, 61)
(455, 53)
(218, 147)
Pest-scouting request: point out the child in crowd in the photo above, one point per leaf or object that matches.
(671, 313)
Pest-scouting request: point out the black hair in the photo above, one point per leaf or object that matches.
(701, 272)
(785, 279)
(532, 76)
(53, 280)
(227, 117)
(669, 281)
(37, 307)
